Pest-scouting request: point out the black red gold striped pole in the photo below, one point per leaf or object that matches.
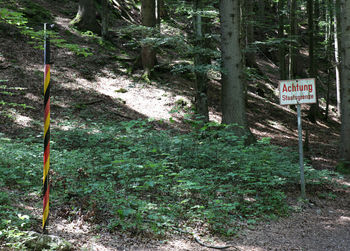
(46, 183)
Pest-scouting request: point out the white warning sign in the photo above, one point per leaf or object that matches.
(298, 91)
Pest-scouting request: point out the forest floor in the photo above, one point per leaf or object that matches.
(99, 87)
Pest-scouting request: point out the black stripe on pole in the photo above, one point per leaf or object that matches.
(46, 184)
(47, 95)
(47, 139)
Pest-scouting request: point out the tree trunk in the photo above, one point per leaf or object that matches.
(104, 16)
(336, 52)
(292, 35)
(148, 54)
(248, 17)
(345, 82)
(317, 19)
(201, 81)
(159, 11)
(85, 20)
(310, 14)
(281, 47)
(313, 111)
(232, 90)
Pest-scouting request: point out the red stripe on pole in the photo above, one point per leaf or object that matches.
(46, 197)
(47, 153)
(47, 69)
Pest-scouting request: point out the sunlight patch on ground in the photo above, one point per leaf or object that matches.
(277, 126)
(74, 227)
(32, 97)
(21, 120)
(95, 246)
(278, 106)
(344, 220)
(62, 104)
(179, 245)
(215, 116)
(250, 248)
(65, 127)
(151, 101)
(64, 22)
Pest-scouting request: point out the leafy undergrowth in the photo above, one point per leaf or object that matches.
(131, 177)
(14, 223)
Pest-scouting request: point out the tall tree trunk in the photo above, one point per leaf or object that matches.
(310, 14)
(233, 99)
(248, 19)
(281, 47)
(104, 16)
(148, 16)
(312, 114)
(159, 10)
(85, 20)
(329, 51)
(317, 18)
(201, 81)
(345, 82)
(336, 52)
(292, 35)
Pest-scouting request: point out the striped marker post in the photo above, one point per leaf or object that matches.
(46, 183)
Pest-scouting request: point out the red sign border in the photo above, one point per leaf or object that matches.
(279, 90)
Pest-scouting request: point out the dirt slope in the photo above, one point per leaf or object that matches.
(98, 86)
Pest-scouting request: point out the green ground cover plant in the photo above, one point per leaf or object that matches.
(24, 25)
(131, 177)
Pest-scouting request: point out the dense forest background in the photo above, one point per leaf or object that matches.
(166, 128)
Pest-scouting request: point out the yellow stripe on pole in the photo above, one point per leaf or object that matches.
(45, 213)
(47, 123)
(47, 79)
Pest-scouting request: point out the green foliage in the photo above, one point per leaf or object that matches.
(3, 103)
(172, 38)
(14, 223)
(140, 180)
(343, 167)
(37, 37)
(21, 169)
(35, 13)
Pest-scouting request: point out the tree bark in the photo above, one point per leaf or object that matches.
(310, 13)
(85, 20)
(281, 47)
(313, 111)
(201, 81)
(248, 18)
(336, 52)
(292, 35)
(148, 16)
(104, 16)
(232, 90)
(345, 82)
(159, 12)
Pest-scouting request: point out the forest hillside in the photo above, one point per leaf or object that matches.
(137, 162)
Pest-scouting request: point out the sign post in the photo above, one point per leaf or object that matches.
(46, 181)
(297, 92)
(301, 153)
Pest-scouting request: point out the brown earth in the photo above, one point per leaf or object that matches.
(100, 87)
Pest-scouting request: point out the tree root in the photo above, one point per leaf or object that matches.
(196, 238)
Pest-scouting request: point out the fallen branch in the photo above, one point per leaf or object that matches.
(196, 238)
